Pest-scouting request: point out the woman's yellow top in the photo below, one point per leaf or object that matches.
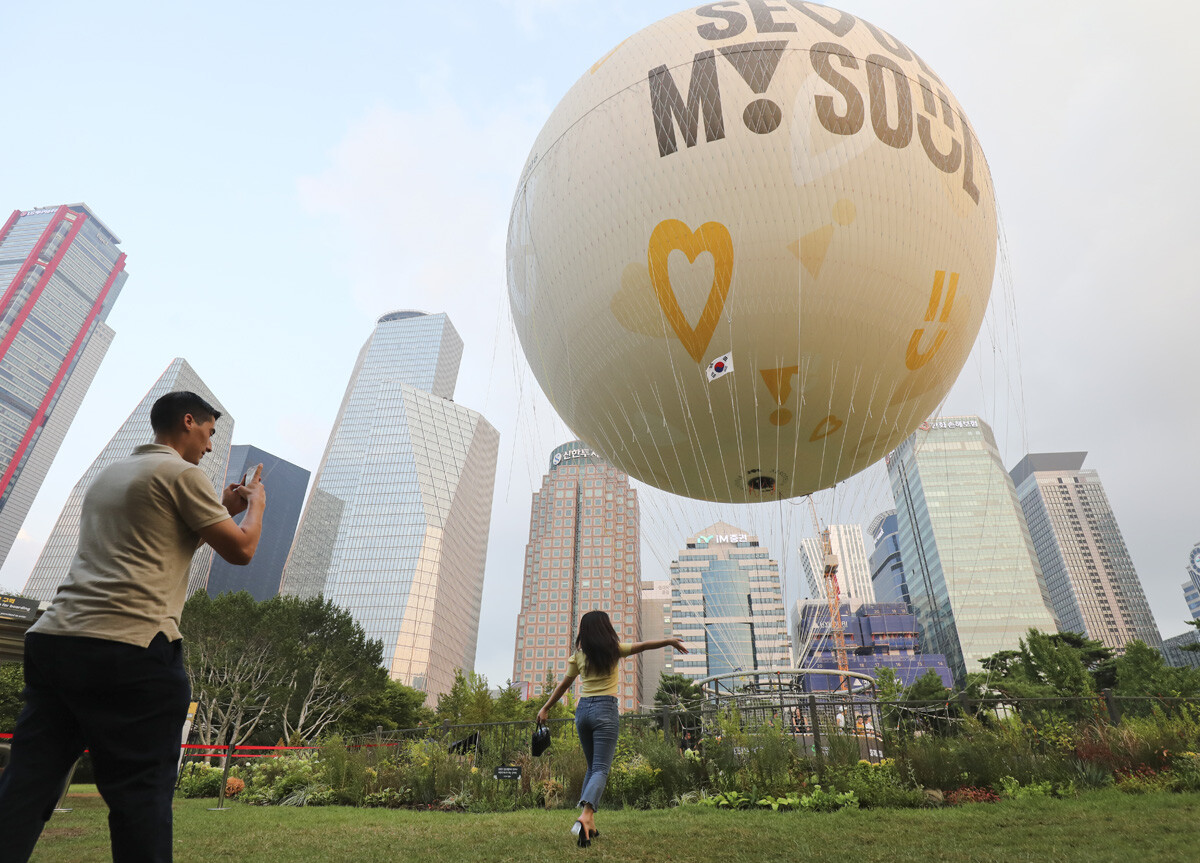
(596, 684)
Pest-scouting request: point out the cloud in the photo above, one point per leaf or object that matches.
(529, 13)
(420, 199)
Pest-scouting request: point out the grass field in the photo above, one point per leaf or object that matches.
(1099, 826)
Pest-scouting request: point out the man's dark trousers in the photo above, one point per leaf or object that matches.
(123, 703)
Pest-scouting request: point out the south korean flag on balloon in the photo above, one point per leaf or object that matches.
(720, 367)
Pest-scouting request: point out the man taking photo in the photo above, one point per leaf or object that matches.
(104, 664)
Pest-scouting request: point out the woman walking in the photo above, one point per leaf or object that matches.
(595, 662)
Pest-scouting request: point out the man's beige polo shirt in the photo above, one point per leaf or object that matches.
(137, 534)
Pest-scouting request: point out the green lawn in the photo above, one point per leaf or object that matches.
(1099, 826)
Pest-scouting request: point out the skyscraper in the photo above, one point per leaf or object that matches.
(1191, 587)
(1093, 585)
(583, 554)
(656, 624)
(854, 573)
(887, 569)
(1174, 652)
(286, 484)
(727, 605)
(972, 574)
(396, 525)
(60, 273)
(51, 568)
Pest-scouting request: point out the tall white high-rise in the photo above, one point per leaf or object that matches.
(727, 605)
(51, 568)
(973, 577)
(854, 569)
(396, 525)
(1091, 578)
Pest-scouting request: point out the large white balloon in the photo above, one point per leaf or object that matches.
(751, 249)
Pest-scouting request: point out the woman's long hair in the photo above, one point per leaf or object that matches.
(598, 641)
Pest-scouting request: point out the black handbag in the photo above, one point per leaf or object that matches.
(541, 740)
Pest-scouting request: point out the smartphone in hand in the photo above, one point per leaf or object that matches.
(255, 473)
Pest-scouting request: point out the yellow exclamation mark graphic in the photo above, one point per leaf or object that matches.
(779, 384)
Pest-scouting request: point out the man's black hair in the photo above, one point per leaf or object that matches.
(168, 412)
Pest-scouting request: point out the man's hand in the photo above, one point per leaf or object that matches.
(237, 496)
(254, 489)
(234, 542)
(233, 500)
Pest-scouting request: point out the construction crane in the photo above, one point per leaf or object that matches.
(832, 596)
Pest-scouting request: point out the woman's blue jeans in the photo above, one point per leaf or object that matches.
(597, 722)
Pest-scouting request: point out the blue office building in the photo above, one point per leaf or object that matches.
(878, 635)
(286, 484)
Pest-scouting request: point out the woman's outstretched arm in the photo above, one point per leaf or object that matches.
(641, 646)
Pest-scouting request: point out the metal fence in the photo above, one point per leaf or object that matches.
(818, 722)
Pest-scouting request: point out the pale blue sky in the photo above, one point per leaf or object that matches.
(309, 167)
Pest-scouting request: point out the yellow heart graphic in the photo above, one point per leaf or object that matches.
(712, 237)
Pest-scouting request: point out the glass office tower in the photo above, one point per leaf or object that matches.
(887, 569)
(583, 554)
(60, 274)
(286, 484)
(727, 605)
(51, 568)
(396, 525)
(972, 574)
(1093, 585)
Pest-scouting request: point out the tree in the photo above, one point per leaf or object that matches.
(287, 665)
(1048, 665)
(392, 707)
(887, 685)
(333, 663)
(678, 693)
(231, 657)
(928, 687)
(1192, 648)
(1142, 672)
(510, 707)
(468, 702)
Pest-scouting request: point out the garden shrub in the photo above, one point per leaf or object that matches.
(876, 785)
(1185, 771)
(200, 780)
(289, 779)
(983, 756)
(821, 800)
(343, 770)
(1143, 779)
